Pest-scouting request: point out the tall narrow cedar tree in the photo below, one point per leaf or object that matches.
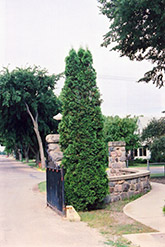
(81, 134)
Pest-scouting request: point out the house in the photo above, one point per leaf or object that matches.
(142, 152)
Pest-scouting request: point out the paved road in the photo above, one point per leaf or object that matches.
(157, 169)
(154, 169)
(25, 221)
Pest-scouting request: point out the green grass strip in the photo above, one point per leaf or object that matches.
(156, 175)
(42, 186)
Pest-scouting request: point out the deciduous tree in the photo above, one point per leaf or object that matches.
(137, 29)
(121, 129)
(27, 100)
(158, 150)
(154, 136)
(154, 130)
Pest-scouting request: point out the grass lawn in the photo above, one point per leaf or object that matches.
(137, 165)
(32, 163)
(156, 175)
(142, 165)
(42, 187)
(113, 223)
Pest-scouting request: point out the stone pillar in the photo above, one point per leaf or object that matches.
(54, 153)
(117, 157)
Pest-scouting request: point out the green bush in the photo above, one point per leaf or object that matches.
(158, 150)
(81, 134)
(140, 161)
(164, 209)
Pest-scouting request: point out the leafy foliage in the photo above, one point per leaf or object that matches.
(138, 30)
(121, 129)
(155, 129)
(81, 134)
(21, 87)
(154, 135)
(158, 150)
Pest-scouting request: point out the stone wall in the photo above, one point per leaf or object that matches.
(128, 185)
(54, 153)
(117, 157)
(123, 182)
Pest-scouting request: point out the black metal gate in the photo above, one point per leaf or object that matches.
(55, 188)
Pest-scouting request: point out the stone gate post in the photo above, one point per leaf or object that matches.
(117, 157)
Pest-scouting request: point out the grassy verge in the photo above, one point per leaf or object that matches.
(121, 242)
(137, 165)
(42, 187)
(156, 175)
(32, 163)
(164, 209)
(143, 165)
(113, 223)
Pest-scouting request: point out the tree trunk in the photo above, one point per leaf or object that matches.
(26, 157)
(26, 153)
(37, 158)
(35, 126)
(36, 154)
(40, 144)
(16, 153)
(20, 155)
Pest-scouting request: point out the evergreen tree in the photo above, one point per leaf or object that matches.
(81, 134)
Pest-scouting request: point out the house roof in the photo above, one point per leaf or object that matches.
(143, 122)
(58, 117)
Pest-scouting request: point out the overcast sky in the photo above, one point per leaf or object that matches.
(41, 32)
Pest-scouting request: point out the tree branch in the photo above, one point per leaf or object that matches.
(36, 118)
(28, 110)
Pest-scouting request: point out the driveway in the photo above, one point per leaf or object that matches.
(25, 221)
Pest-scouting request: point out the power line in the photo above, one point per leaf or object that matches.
(116, 78)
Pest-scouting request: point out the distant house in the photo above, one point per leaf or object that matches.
(142, 152)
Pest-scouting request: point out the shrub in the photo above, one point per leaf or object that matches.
(140, 161)
(158, 150)
(81, 134)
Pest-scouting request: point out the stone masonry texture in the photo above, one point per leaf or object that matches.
(117, 157)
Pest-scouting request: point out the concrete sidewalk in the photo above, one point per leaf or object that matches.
(148, 211)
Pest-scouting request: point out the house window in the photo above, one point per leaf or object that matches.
(140, 151)
(135, 152)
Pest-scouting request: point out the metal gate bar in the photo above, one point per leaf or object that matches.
(55, 189)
